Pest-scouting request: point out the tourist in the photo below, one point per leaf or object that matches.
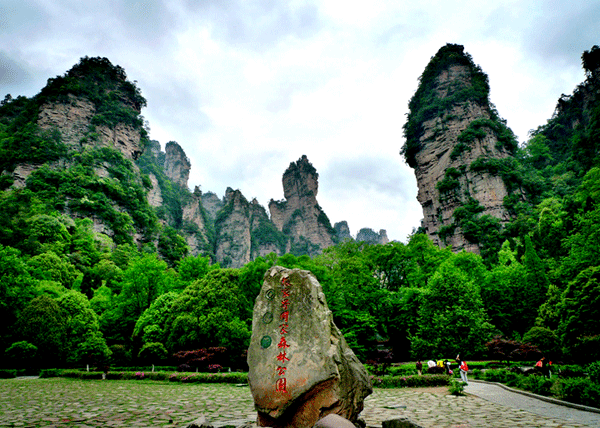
(419, 367)
(464, 369)
(430, 363)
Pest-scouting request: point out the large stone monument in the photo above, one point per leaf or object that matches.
(301, 368)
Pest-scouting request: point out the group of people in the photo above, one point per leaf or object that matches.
(446, 365)
(543, 365)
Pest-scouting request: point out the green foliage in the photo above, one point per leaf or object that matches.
(578, 390)
(594, 372)
(410, 381)
(7, 374)
(172, 246)
(452, 317)
(449, 182)
(150, 325)
(83, 341)
(579, 311)
(21, 354)
(427, 103)
(45, 325)
(143, 281)
(209, 312)
(153, 352)
(544, 339)
(456, 387)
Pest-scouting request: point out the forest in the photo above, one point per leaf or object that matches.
(70, 296)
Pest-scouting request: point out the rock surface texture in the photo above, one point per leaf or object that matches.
(453, 135)
(299, 216)
(73, 118)
(301, 368)
(177, 164)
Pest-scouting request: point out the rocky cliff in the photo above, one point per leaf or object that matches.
(73, 118)
(83, 143)
(77, 141)
(453, 139)
(370, 236)
(177, 165)
(299, 216)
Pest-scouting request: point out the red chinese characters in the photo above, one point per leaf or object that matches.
(282, 357)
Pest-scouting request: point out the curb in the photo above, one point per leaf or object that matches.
(542, 397)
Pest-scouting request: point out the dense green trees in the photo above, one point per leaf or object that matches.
(413, 298)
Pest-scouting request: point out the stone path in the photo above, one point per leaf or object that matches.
(90, 403)
(526, 401)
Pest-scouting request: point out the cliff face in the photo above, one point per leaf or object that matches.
(370, 236)
(232, 226)
(74, 119)
(85, 145)
(452, 137)
(299, 216)
(177, 165)
(85, 127)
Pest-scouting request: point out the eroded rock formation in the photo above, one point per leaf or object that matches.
(73, 120)
(453, 139)
(233, 230)
(299, 216)
(177, 165)
(369, 235)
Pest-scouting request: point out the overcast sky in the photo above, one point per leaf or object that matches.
(246, 87)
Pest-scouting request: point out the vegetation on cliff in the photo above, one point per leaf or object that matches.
(76, 290)
(429, 103)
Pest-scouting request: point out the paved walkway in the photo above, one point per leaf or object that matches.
(529, 402)
(95, 403)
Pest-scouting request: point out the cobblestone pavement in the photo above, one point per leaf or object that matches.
(526, 401)
(94, 403)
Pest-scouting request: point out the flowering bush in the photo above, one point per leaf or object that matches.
(214, 368)
(139, 375)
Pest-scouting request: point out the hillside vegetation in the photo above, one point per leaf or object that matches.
(72, 294)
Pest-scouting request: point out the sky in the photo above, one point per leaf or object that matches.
(247, 87)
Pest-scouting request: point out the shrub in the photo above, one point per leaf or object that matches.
(578, 390)
(536, 384)
(202, 358)
(594, 372)
(570, 371)
(494, 375)
(456, 387)
(209, 377)
(403, 370)
(46, 373)
(7, 374)
(410, 381)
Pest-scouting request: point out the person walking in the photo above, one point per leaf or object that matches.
(464, 369)
(419, 367)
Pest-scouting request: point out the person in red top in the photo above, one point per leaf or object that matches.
(463, 368)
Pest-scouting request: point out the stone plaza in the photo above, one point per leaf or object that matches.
(59, 402)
